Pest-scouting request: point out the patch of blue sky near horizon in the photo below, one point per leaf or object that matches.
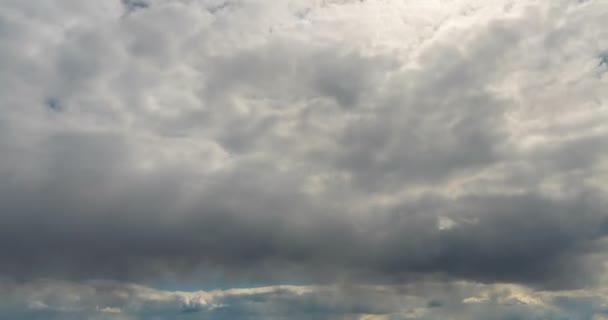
(220, 282)
(51, 299)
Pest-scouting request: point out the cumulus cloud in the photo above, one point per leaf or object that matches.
(361, 142)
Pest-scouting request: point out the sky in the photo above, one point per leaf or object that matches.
(304, 159)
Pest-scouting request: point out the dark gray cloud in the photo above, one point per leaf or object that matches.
(194, 140)
(89, 219)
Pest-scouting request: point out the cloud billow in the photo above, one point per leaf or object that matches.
(182, 141)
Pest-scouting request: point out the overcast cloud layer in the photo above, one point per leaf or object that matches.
(400, 159)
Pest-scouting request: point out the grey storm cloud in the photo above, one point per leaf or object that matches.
(357, 143)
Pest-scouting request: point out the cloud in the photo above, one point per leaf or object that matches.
(51, 299)
(366, 142)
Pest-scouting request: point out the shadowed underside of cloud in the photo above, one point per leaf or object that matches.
(359, 142)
